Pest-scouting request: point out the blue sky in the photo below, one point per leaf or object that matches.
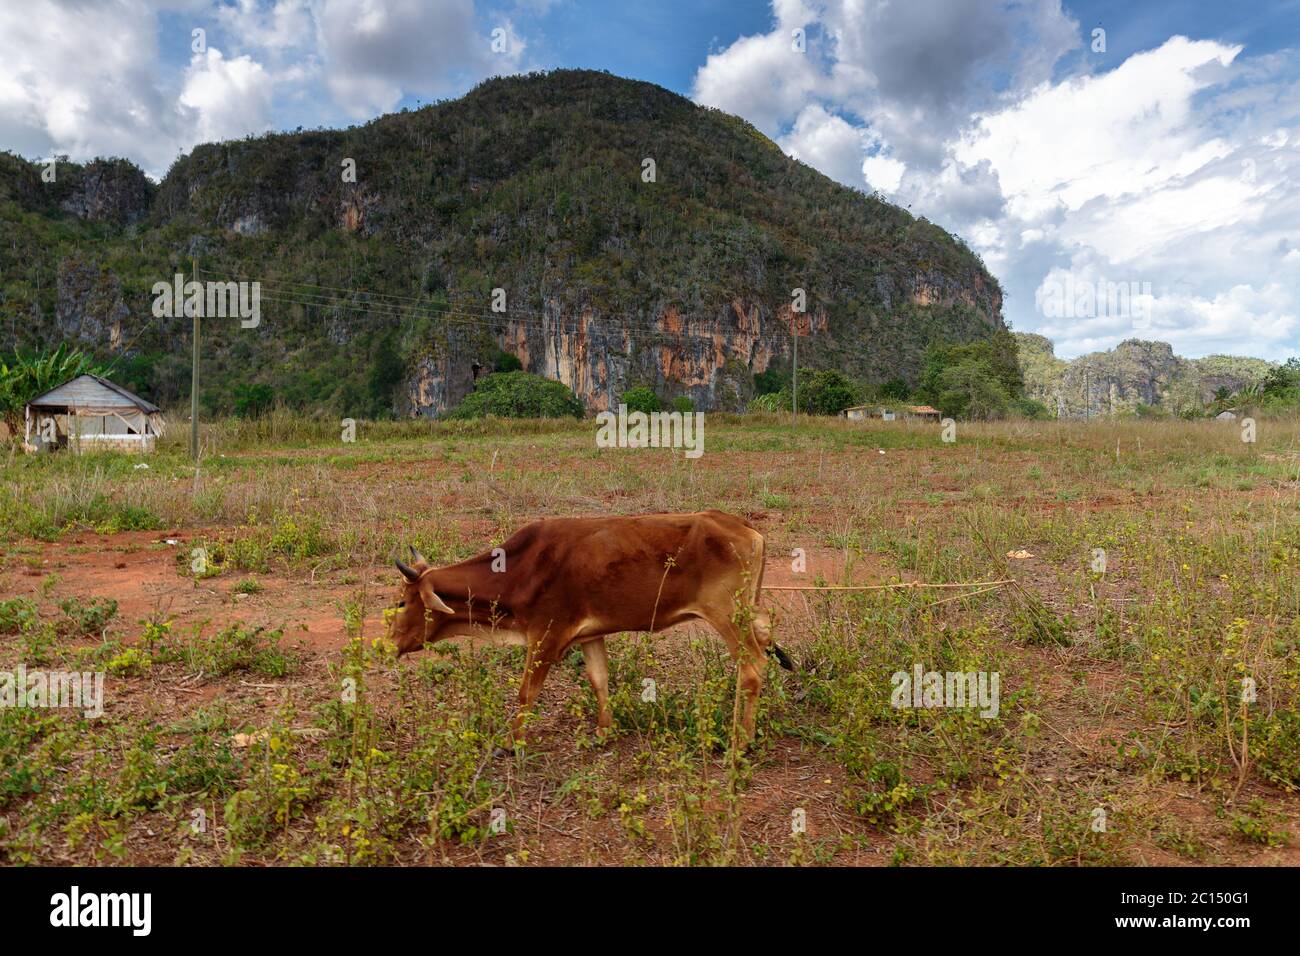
(1162, 163)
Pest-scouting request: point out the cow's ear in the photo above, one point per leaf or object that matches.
(430, 597)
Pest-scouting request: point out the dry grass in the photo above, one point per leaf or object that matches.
(1121, 692)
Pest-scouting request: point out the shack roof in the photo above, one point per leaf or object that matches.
(91, 391)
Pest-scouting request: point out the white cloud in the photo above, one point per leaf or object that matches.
(828, 144)
(283, 26)
(88, 79)
(1142, 175)
(908, 67)
(960, 195)
(762, 78)
(906, 73)
(1120, 133)
(1139, 229)
(1237, 320)
(884, 173)
(374, 51)
(230, 98)
(1243, 319)
(1177, 166)
(79, 81)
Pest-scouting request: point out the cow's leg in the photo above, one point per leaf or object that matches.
(751, 664)
(762, 631)
(759, 640)
(530, 685)
(597, 661)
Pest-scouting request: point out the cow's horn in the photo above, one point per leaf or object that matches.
(417, 557)
(408, 572)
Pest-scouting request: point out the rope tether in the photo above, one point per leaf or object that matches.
(882, 587)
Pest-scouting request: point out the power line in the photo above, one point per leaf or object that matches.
(453, 315)
(328, 288)
(497, 323)
(292, 286)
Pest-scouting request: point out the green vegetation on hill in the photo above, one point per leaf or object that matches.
(1280, 388)
(531, 184)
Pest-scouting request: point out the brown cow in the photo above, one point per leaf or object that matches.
(565, 581)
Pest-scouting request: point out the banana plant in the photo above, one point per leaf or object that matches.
(23, 377)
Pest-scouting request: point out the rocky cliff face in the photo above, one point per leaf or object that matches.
(113, 191)
(710, 359)
(110, 191)
(90, 309)
(1135, 372)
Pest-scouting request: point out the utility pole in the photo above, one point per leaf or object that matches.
(194, 377)
(794, 327)
(1087, 398)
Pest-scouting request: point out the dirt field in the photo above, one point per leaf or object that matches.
(254, 713)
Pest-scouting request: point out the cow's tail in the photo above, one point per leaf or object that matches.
(781, 656)
(764, 624)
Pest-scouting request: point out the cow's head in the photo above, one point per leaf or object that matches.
(420, 612)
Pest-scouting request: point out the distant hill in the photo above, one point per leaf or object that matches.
(376, 293)
(1135, 372)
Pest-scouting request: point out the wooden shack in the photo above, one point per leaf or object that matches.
(889, 413)
(858, 413)
(90, 413)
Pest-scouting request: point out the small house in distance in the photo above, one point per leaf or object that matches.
(925, 412)
(90, 412)
(890, 413)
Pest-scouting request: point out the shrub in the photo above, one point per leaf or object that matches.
(252, 401)
(505, 362)
(894, 390)
(1028, 407)
(972, 389)
(683, 404)
(826, 393)
(17, 615)
(84, 619)
(641, 399)
(1149, 411)
(1277, 745)
(1281, 387)
(518, 395)
(976, 380)
(770, 381)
